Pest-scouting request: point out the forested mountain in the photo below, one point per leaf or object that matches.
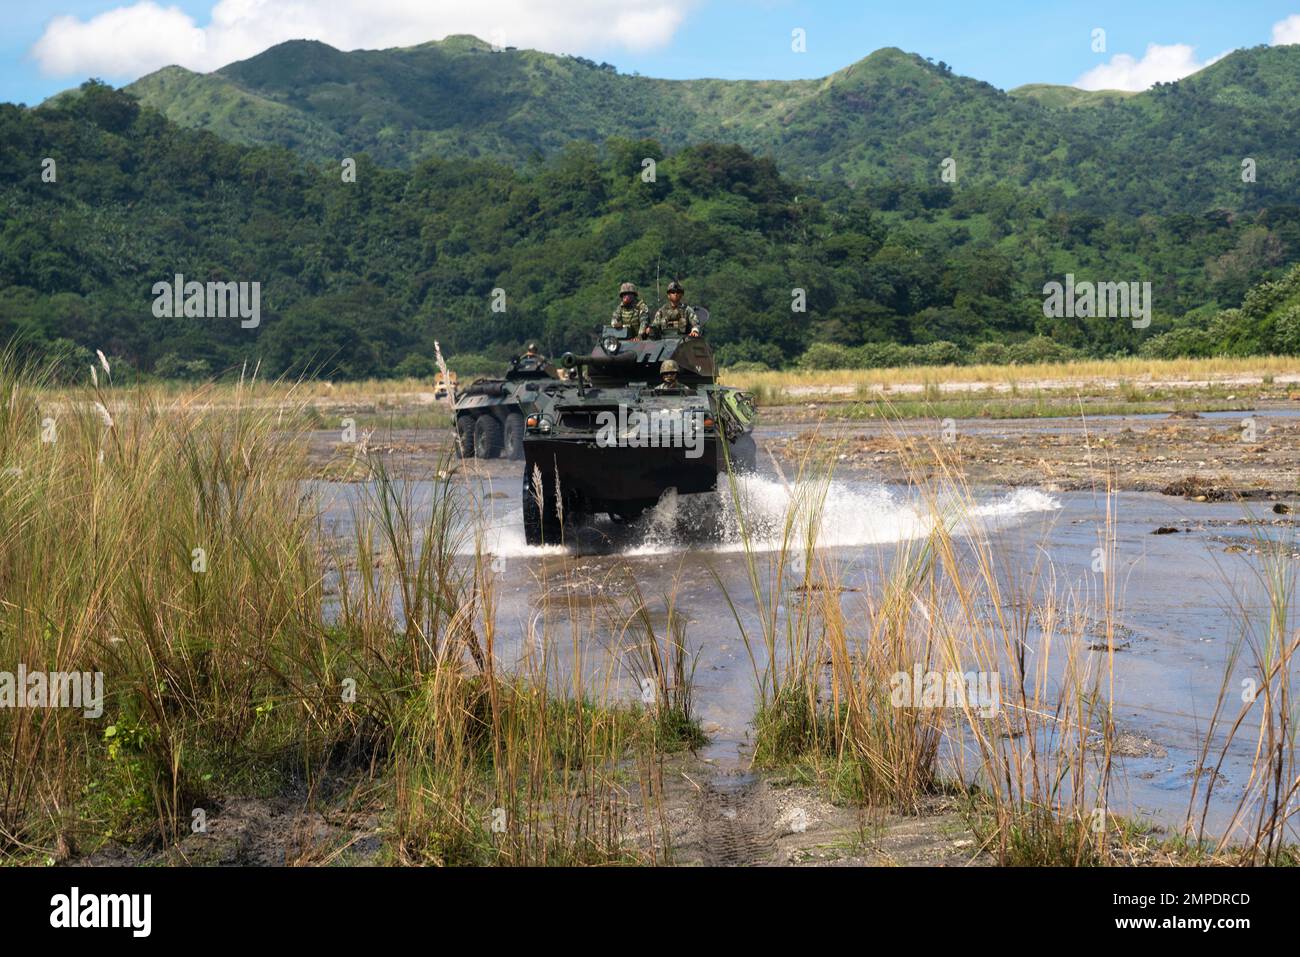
(891, 117)
(359, 278)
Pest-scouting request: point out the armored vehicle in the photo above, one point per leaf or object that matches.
(490, 412)
(614, 437)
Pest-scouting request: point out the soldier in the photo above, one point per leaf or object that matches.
(631, 313)
(533, 361)
(668, 369)
(674, 319)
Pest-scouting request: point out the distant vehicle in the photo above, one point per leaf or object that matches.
(490, 412)
(585, 467)
(444, 386)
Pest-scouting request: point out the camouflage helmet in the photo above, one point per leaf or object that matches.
(667, 366)
(532, 348)
(675, 286)
(627, 287)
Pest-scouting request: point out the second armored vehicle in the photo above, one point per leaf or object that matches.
(490, 412)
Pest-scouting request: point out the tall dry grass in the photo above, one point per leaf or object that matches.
(174, 547)
(1036, 771)
(1258, 714)
(781, 386)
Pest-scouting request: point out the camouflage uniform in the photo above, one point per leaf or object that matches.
(674, 320)
(675, 386)
(634, 318)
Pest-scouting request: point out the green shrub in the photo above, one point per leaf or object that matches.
(1040, 349)
(1286, 332)
(939, 353)
(881, 355)
(826, 355)
(172, 366)
(416, 366)
(734, 354)
(990, 354)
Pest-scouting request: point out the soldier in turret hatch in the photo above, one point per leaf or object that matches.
(670, 385)
(533, 361)
(631, 313)
(675, 318)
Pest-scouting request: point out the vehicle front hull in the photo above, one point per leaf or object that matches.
(620, 479)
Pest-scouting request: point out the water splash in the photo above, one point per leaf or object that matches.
(846, 514)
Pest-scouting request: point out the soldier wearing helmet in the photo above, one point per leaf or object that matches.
(533, 361)
(668, 369)
(631, 312)
(675, 318)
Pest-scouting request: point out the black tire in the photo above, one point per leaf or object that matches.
(513, 440)
(744, 454)
(465, 435)
(541, 524)
(487, 437)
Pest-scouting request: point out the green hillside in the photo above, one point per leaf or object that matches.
(891, 117)
(1067, 97)
(360, 278)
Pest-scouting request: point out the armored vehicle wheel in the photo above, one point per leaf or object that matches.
(744, 454)
(487, 437)
(465, 435)
(541, 523)
(513, 447)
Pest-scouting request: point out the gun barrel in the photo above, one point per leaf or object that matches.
(600, 362)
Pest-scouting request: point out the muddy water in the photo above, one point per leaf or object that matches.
(1180, 595)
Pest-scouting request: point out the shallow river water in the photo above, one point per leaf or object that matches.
(1181, 600)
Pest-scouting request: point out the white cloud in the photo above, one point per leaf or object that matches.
(128, 41)
(1287, 31)
(1160, 64)
(114, 43)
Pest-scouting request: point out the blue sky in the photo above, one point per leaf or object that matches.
(47, 47)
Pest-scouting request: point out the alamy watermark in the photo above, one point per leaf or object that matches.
(75, 909)
(53, 689)
(661, 429)
(213, 300)
(1108, 300)
(978, 690)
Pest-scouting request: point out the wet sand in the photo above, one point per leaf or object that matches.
(1253, 453)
